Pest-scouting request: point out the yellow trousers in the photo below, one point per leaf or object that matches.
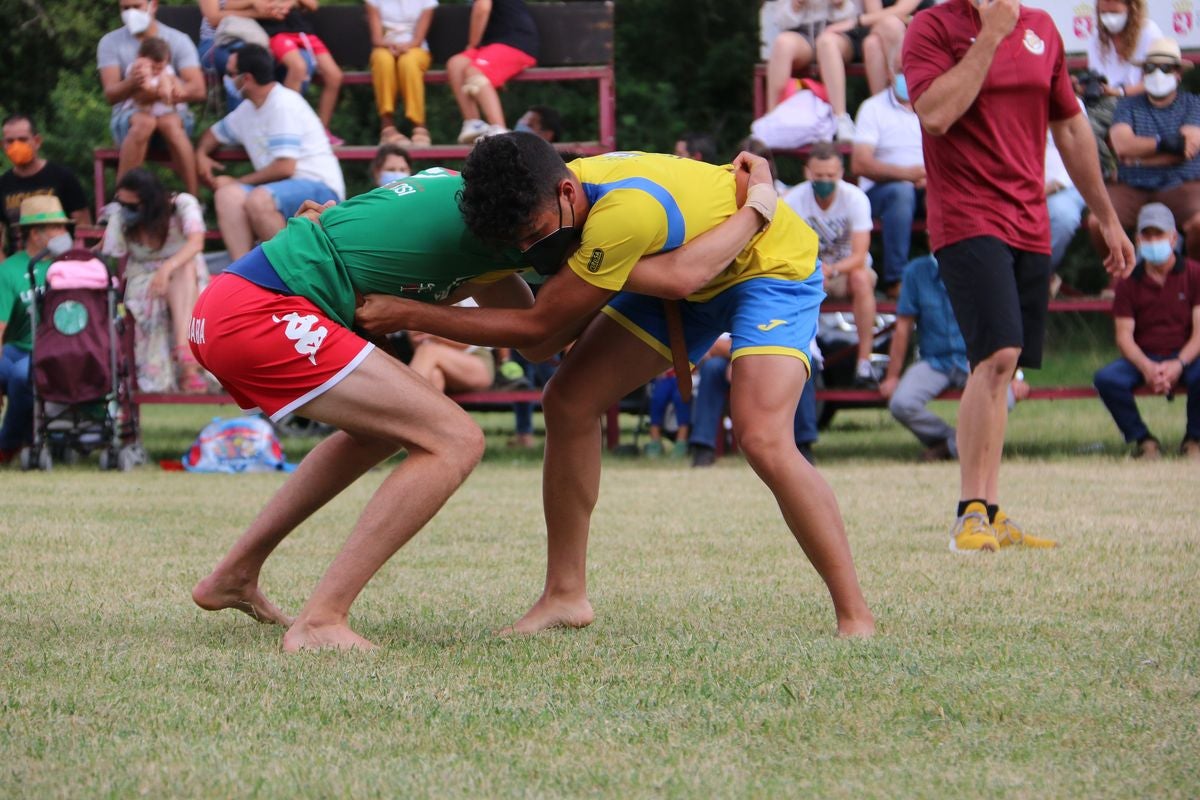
(405, 74)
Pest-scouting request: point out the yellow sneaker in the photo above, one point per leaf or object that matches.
(972, 533)
(1009, 534)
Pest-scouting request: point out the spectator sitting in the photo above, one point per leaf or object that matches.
(33, 175)
(215, 57)
(44, 232)
(1156, 314)
(163, 237)
(122, 80)
(1124, 33)
(890, 164)
(925, 305)
(840, 213)
(1065, 206)
(1156, 137)
(452, 366)
(288, 149)
(301, 52)
(153, 104)
(542, 121)
(793, 50)
(390, 164)
(698, 147)
(399, 59)
(664, 391)
(501, 42)
(869, 38)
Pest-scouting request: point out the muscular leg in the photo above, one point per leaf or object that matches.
(605, 364)
(763, 395)
(982, 417)
(236, 232)
(443, 445)
(790, 52)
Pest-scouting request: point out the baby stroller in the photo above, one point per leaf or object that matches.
(83, 370)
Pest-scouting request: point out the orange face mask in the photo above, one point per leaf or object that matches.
(19, 153)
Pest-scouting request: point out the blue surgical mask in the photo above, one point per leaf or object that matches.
(391, 176)
(900, 87)
(524, 127)
(130, 217)
(1156, 252)
(823, 189)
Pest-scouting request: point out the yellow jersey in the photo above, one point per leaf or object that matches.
(645, 203)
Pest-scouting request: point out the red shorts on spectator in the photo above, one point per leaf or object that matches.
(499, 62)
(284, 43)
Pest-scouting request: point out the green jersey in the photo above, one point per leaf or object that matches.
(16, 298)
(406, 238)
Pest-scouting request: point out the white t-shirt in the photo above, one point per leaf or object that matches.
(1109, 64)
(285, 127)
(1056, 170)
(849, 213)
(399, 17)
(893, 130)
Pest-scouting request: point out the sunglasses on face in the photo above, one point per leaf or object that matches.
(1166, 69)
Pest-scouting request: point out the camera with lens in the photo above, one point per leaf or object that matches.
(1091, 84)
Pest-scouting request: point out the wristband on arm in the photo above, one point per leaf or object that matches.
(1171, 144)
(762, 198)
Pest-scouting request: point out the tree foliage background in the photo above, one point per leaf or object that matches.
(681, 66)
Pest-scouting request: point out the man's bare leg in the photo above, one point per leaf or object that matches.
(605, 364)
(384, 401)
(862, 295)
(764, 392)
(230, 201)
(982, 417)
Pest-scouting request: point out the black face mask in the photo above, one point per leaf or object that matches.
(548, 254)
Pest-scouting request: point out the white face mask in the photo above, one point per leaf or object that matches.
(1114, 23)
(136, 20)
(1159, 84)
(59, 244)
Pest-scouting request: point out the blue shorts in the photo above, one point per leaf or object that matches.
(764, 316)
(118, 124)
(291, 193)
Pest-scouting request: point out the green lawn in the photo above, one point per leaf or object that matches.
(711, 669)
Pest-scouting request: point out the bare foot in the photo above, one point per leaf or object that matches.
(552, 613)
(303, 636)
(856, 629)
(215, 593)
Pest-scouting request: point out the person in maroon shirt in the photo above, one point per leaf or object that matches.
(986, 78)
(1156, 314)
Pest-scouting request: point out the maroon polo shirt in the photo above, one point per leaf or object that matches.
(986, 175)
(1162, 315)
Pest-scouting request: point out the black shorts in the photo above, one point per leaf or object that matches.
(856, 36)
(999, 295)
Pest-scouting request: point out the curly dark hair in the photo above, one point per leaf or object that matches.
(506, 180)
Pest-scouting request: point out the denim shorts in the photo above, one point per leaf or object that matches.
(291, 193)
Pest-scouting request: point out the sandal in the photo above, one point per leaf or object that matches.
(390, 135)
(420, 137)
(191, 378)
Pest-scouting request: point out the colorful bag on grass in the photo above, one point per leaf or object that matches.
(242, 444)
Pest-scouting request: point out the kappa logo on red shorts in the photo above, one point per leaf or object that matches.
(300, 330)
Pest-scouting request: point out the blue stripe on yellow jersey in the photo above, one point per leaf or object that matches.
(645, 203)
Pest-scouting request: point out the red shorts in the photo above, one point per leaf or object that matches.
(499, 62)
(270, 351)
(284, 43)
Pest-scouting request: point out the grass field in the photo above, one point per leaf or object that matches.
(711, 669)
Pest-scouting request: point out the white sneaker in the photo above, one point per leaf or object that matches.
(472, 129)
(492, 130)
(845, 129)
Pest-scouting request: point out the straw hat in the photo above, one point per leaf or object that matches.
(1166, 49)
(42, 209)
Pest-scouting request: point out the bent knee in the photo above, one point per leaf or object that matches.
(261, 201)
(1000, 364)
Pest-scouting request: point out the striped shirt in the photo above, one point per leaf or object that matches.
(1146, 120)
